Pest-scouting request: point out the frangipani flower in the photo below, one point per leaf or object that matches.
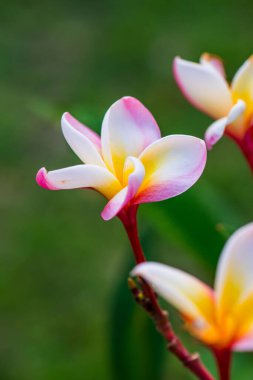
(231, 105)
(131, 163)
(221, 318)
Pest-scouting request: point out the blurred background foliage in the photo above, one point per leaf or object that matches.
(66, 312)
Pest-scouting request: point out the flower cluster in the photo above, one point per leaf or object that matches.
(220, 318)
(204, 85)
(132, 164)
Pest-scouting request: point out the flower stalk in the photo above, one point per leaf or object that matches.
(247, 147)
(129, 220)
(223, 360)
(245, 144)
(147, 299)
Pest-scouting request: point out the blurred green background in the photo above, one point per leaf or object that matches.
(65, 308)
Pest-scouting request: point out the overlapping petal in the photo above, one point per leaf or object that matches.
(244, 344)
(243, 318)
(222, 318)
(190, 296)
(172, 164)
(204, 87)
(128, 128)
(134, 173)
(84, 142)
(234, 280)
(89, 133)
(80, 176)
(217, 129)
(213, 62)
(242, 83)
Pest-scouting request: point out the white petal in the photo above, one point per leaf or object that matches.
(217, 129)
(215, 132)
(204, 87)
(213, 62)
(173, 164)
(236, 111)
(190, 296)
(84, 142)
(80, 176)
(128, 127)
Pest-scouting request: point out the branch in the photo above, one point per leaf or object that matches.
(146, 298)
(223, 359)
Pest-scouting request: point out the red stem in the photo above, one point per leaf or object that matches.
(249, 157)
(160, 317)
(223, 360)
(245, 144)
(129, 220)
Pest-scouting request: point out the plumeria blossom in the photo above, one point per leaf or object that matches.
(231, 105)
(130, 164)
(221, 318)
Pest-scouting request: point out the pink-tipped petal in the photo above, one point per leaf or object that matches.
(135, 174)
(173, 164)
(80, 176)
(42, 180)
(203, 86)
(243, 345)
(236, 111)
(84, 142)
(217, 129)
(190, 296)
(234, 280)
(128, 127)
(85, 131)
(214, 62)
(215, 132)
